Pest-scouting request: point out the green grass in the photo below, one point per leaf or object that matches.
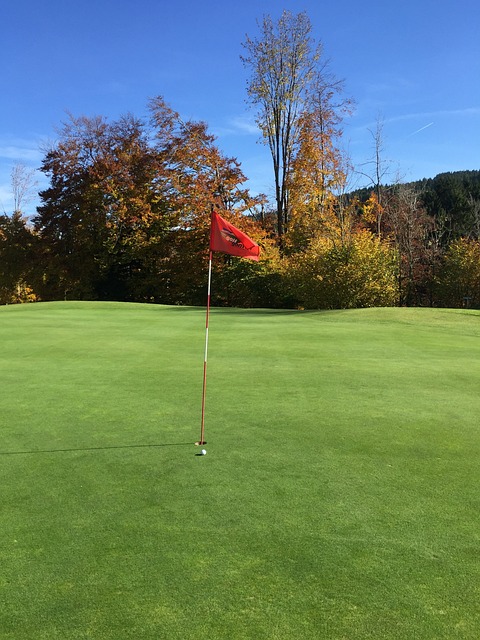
(338, 500)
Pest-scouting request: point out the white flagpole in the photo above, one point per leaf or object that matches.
(202, 431)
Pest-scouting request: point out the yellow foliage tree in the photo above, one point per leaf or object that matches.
(459, 280)
(319, 169)
(361, 272)
(372, 212)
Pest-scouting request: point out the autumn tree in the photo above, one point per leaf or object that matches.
(320, 168)
(381, 181)
(372, 212)
(300, 108)
(127, 211)
(197, 177)
(283, 64)
(459, 278)
(413, 232)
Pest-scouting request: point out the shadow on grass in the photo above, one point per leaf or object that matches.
(124, 446)
(259, 311)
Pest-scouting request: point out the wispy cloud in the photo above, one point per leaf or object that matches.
(237, 126)
(20, 150)
(19, 154)
(459, 113)
(357, 127)
(245, 124)
(6, 198)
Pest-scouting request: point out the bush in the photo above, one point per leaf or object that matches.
(362, 272)
(459, 280)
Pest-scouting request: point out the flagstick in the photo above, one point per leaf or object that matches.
(202, 432)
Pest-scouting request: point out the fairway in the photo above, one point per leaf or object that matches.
(338, 498)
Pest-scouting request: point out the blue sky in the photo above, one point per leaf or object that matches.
(415, 65)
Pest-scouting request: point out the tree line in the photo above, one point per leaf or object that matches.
(126, 213)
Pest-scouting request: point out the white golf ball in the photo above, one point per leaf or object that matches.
(204, 452)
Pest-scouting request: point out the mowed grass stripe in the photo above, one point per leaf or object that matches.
(338, 497)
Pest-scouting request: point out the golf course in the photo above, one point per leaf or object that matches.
(338, 498)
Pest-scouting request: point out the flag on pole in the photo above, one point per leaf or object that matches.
(226, 238)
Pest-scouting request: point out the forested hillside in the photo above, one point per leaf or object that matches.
(452, 198)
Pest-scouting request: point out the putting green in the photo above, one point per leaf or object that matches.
(338, 497)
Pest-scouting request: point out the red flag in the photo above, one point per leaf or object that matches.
(228, 239)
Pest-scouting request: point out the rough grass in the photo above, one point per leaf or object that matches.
(338, 498)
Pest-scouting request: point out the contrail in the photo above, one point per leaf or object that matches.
(421, 129)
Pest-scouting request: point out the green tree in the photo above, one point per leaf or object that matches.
(17, 259)
(18, 243)
(453, 200)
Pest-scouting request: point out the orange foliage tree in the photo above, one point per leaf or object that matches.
(320, 169)
(197, 177)
(126, 215)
